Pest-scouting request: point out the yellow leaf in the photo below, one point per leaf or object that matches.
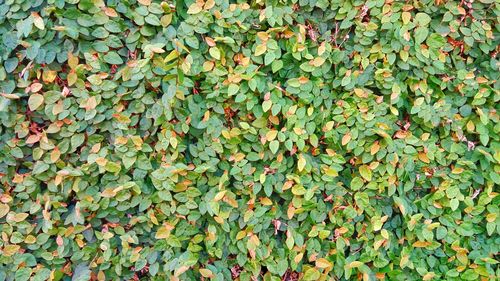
(428, 276)
(101, 161)
(297, 131)
(10, 250)
(10, 96)
(491, 217)
(290, 212)
(157, 50)
(322, 48)
(232, 202)
(58, 107)
(360, 93)
(331, 172)
(91, 103)
(101, 276)
(262, 178)
(35, 101)
(38, 21)
(226, 134)
(471, 126)
(260, 49)
(30, 239)
(239, 156)
(404, 260)
(271, 135)
(377, 244)
(72, 78)
(406, 16)
(110, 192)
(207, 273)
(255, 240)
(173, 142)
(219, 195)
(342, 230)
(318, 61)
(137, 140)
(72, 61)
(423, 157)
(35, 87)
(19, 217)
(298, 257)
(346, 138)
(208, 66)
(375, 148)
(219, 220)
(49, 76)
(209, 5)
(266, 201)
(110, 12)
(365, 172)
(462, 256)
(301, 163)
(195, 8)
(323, 263)
(354, 264)
(298, 190)
(421, 244)
(163, 232)
(328, 126)
(55, 154)
(241, 235)
(180, 270)
(4, 209)
(166, 20)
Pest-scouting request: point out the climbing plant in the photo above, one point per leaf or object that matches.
(249, 140)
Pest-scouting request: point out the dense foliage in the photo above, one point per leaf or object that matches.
(259, 140)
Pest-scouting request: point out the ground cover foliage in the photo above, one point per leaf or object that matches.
(249, 140)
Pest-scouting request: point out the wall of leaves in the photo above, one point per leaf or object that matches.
(249, 140)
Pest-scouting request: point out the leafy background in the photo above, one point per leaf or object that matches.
(259, 140)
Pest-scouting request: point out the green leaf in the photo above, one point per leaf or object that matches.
(112, 167)
(40, 167)
(113, 58)
(233, 89)
(152, 20)
(362, 200)
(268, 58)
(276, 65)
(215, 53)
(81, 273)
(10, 64)
(23, 274)
(422, 19)
(421, 34)
(273, 146)
(199, 136)
(356, 183)
(436, 41)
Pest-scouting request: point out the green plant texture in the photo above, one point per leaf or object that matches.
(249, 140)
